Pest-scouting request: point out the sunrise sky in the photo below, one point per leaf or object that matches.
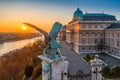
(44, 13)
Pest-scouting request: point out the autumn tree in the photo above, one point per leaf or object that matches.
(13, 69)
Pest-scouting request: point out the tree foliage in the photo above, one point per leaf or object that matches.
(37, 71)
(111, 73)
(88, 56)
(13, 64)
(106, 70)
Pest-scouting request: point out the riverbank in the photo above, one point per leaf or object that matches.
(11, 37)
(11, 46)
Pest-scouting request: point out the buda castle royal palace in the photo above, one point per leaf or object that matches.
(92, 33)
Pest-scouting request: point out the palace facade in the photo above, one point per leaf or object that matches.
(92, 33)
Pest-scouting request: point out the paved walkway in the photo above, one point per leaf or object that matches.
(75, 61)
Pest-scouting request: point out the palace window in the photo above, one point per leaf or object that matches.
(109, 34)
(83, 26)
(83, 34)
(89, 48)
(118, 43)
(83, 41)
(89, 41)
(108, 41)
(86, 33)
(83, 48)
(95, 34)
(89, 34)
(118, 35)
(95, 41)
(95, 26)
(89, 26)
(112, 34)
(106, 34)
(101, 26)
(112, 42)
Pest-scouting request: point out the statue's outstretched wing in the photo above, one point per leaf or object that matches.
(40, 30)
(55, 30)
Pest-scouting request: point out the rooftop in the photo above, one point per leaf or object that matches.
(93, 16)
(97, 14)
(113, 26)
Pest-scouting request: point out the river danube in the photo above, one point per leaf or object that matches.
(10, 46)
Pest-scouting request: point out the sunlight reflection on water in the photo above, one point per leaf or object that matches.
(10, 46)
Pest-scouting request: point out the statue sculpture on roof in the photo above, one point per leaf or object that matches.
(51, 50)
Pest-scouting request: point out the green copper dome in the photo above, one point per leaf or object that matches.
(78, 13)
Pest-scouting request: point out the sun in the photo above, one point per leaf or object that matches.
(24, 28)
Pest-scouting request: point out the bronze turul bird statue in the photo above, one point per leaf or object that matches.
(50, 39)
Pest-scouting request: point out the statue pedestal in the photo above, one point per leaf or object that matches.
(54, 69)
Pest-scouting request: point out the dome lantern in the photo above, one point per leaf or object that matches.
(78, 14)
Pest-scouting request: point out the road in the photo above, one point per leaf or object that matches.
(75, 61)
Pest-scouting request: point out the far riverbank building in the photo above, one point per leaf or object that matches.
(92, 33)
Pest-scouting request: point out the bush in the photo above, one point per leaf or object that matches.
(106, 70)
(117, 69)
(88, 56)
(37, 71)
(28, 70)
(111, 73)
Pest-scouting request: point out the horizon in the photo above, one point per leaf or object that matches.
(43, 13)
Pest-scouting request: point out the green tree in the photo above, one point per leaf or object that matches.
(106, 70)
(88, 56)
(115, 71)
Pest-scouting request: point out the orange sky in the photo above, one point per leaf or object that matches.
(13, 14)
(12, 22)
(12, 17)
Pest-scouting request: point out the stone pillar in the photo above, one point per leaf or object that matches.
(93, 73)
(100, 73)
(96, 68)
(52, 68)
(45, 70)
(65, 70)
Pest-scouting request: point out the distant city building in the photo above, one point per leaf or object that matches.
(92, 33)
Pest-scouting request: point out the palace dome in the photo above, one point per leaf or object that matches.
(78, 13)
